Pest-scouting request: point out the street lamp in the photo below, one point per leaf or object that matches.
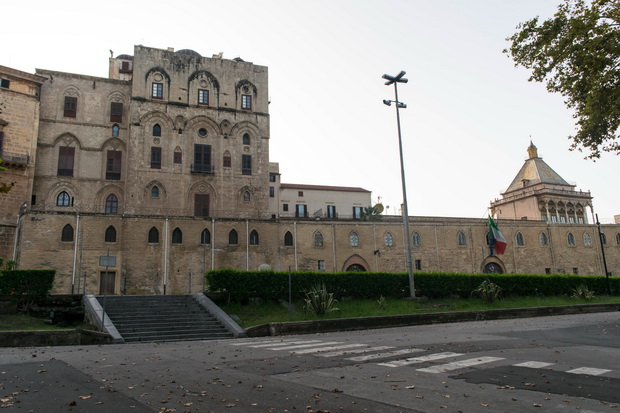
(395, 80)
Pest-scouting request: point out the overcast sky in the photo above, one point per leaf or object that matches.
(470, 116)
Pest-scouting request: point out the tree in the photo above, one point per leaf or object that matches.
(577, 54)
(370, 213)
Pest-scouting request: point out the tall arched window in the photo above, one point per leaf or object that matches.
(587, 240)
(246, 196)
(288, 239)
(246, 139)
(177, 236)
(153, 236)
(156, 130)
(253, 237)
(115, 131)
(233, 238)
(461, 238)
(520, 240)
(543, 239)
(318, 239)
(63, 199)
(603, 238)
(111, 204)
(618, 238)
(205, 237)
(110, 234)
(416, 239)
(354, 239)
(570, 238)
(388, 239)
(155, 191)
(67, 233)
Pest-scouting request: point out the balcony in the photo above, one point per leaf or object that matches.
(14, 159)
(200, 168)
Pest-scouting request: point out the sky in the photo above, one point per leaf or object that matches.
(470, 113)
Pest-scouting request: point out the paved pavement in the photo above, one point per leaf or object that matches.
(557, 364)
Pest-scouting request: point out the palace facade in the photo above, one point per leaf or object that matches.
(161, 172)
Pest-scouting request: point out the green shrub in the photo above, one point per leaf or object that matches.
(582, 292)
(319, 301)
(25, 286)
(382, 302)
(488, 291)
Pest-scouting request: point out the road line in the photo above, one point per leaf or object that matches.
(589, 371)
(421, 359)
(384, 355)
(460, 364)
(354, 351)
(289, 343)
(305, 345)
(328, 348)
(274, 341)
(534, 364)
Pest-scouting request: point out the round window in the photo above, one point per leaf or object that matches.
(202, 132)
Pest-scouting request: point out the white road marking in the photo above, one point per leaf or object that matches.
(305, 345)
(460, 364)
(421, 359)
(534, 364)
(274, 341)
(589, 371)
(384, 355)
(354, 351)
(328, 348)
(289, 343)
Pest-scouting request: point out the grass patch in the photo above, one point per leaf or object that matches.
(23, 322)
(268, 312)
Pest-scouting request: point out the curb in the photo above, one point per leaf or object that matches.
(367, 323)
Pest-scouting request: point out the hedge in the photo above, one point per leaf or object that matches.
(26, 285)
(271, 285)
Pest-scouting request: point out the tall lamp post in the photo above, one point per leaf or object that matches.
(395, 80)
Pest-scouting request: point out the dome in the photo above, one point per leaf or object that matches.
(125, 57)
(189, 52)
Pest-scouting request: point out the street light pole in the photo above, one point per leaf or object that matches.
(395, 80)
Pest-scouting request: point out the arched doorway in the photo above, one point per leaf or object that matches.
(355, 268)
(492, 268)
(355, 263)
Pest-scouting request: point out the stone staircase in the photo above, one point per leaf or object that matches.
(162, 318)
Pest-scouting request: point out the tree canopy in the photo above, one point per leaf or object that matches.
(4, 187)
(577, 54)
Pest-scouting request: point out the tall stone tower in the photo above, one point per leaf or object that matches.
(539, 193)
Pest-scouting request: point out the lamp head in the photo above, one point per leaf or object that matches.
(387, 102)
(401, 105)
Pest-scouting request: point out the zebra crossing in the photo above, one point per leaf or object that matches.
(360, 352)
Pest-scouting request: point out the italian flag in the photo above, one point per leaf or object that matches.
(499, 240)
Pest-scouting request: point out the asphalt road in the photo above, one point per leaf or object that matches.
(551, 364)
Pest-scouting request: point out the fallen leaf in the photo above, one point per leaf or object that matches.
(85, 397)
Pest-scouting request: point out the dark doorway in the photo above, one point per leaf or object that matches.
(492, 268)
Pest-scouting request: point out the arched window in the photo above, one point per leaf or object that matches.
(520, 241)
(288, 239)
(543, 239)
(354, 239)
(233, 238)
(63, 199)
(416, 239)
(461, 238)
(205, 237)
(111, 204)
(246, 139)
(571, 239)
(246, 196)
(155, 191)
(177, 236)
(618, 238)
(603, 238)
(67, 233)
(115, 130)
(153, 236)
(110, 234)
(587, 240)
(253, 237)
(388, 239)
(318, 239)
(156, 130)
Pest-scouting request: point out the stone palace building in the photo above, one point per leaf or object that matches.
(161, 172)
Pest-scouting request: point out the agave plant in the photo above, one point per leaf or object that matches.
(582, 292)
(488, 291)
(319, 301)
